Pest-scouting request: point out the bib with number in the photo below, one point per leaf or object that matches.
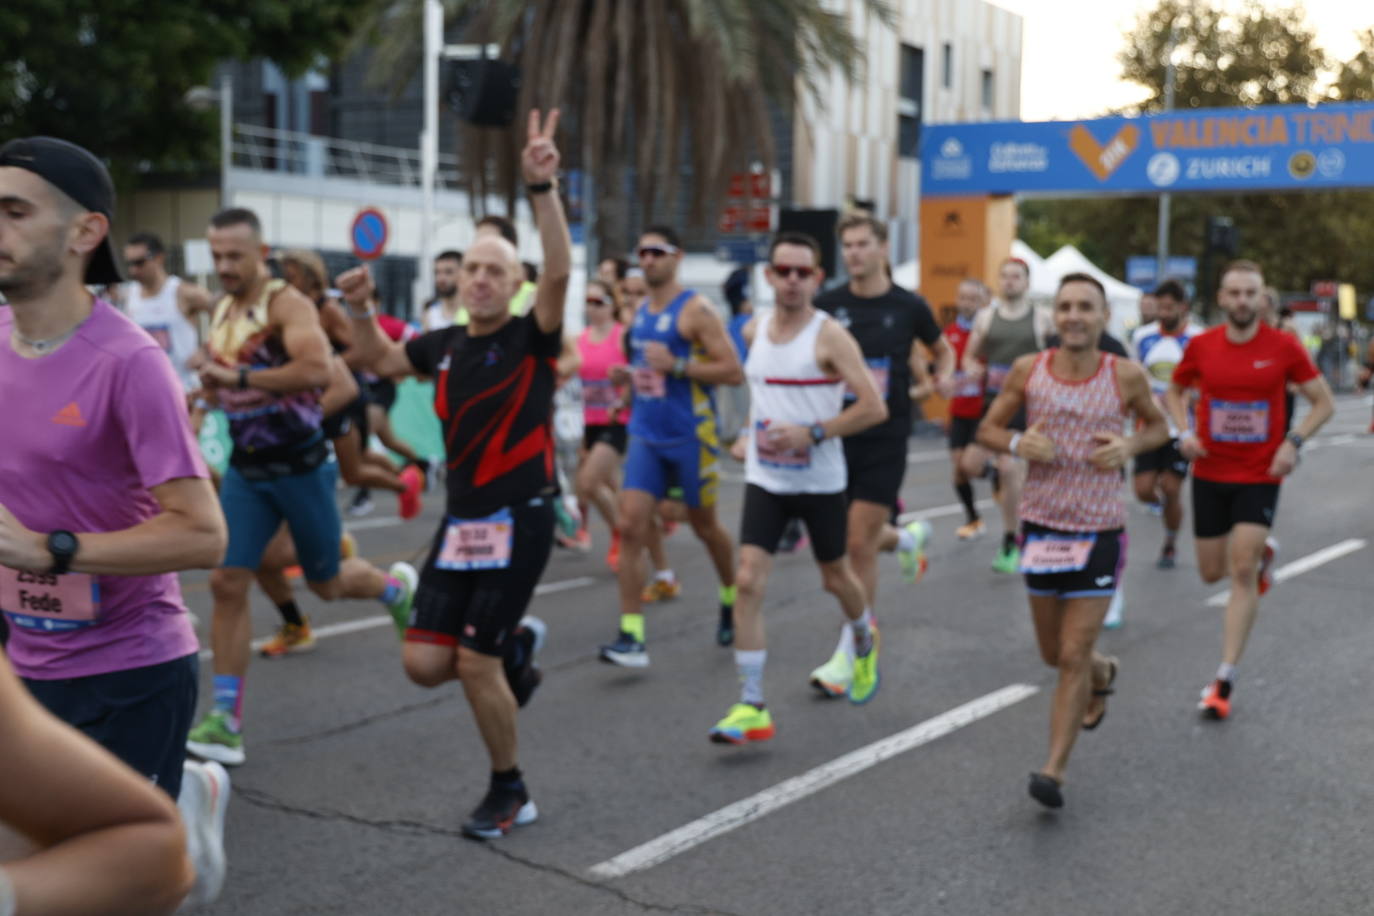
(477, 543)
(598, 392)
(965, 387)
(650, 383)
(162, 334)
(880, 367)
(773, 457)
(47, 602)
(997, 377)
(1056, 553)
(1239, 421)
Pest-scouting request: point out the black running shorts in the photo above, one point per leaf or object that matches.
(613, 434)
(876, 467)
(480, 609)
(1165, 458)
(766, 514)
(963, 432)
(1218, 507)
(1097, 578)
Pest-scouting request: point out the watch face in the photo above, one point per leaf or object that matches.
(62, 542)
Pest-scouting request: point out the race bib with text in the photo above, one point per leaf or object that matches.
(477, 543)
(48, 602)
(1239, 421)
(1056, 553)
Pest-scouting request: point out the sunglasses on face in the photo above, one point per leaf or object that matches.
(596, 300)
(802, 273)
(657, 251)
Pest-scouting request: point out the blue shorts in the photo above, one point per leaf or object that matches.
(691, 465)
(141, 715)
(255, 510)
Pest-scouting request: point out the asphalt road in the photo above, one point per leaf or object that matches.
(357, 780)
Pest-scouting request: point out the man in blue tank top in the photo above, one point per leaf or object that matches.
(679, 350)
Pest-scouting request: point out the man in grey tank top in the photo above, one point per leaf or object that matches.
(1009, 329)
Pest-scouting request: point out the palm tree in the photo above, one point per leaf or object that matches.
(643, 83)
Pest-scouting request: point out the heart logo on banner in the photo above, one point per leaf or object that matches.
(1102, 159)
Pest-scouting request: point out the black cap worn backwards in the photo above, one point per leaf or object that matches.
(78, 174)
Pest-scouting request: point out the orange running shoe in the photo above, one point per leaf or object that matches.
(1266, 570)
(1216, 700)
(293, 572)
(410, 500)
(613, 554)
(974, 529)
(661, 590)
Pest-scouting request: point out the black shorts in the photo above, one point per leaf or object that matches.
(141, 715)
(766, 514)
(1165, 458)
(1217, 507)
(613, 434)
(479, 609)
(1099, 576)
(1018, 419)
(876, 468)
(383, 393)
(963, 432)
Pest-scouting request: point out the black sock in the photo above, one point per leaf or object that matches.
(996, 477)
(290, 613)
(1009, 541)
(965, 491)
(422, 464)
(506, 778)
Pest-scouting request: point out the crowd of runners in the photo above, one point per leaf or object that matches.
(1044, 405)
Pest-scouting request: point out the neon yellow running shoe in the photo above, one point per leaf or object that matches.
(742, 724)
(865, 682)
(914, 562)
(834, 677)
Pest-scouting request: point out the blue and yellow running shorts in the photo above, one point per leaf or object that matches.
(691, 465)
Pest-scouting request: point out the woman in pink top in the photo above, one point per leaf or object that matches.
(1077, 399)
(600, 349)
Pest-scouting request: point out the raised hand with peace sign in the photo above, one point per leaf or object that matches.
(539, 161)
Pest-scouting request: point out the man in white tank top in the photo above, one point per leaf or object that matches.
(799, 362)
(164, 306)
(443, 311)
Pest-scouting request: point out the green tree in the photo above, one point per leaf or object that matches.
(1355, 78)
(112, 74)
(654, 85)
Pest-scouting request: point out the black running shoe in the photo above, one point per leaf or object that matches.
(725, 632)
(505, 807)
(522, 673)
(791, 536)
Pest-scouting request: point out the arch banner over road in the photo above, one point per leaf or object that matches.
(1276, 148)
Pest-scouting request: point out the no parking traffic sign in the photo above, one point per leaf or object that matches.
(369, 233)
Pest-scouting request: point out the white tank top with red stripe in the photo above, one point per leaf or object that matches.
(786, 385)
(1070, 493)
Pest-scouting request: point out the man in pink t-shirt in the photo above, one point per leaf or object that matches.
(104, 495)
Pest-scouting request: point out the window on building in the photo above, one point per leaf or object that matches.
(947, 65)
(911, 89)
(988, 91)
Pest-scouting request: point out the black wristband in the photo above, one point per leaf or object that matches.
(542, 187)
(243, 377)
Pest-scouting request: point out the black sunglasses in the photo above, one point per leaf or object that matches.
(657, 251)
(803, 273)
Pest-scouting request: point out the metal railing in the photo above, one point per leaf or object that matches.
(267, 149)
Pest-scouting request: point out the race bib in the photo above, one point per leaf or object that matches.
(773, 457)
(1239, 421)
(880, 368)
(1056, 553)
(48, 602)
(598, 392)
(965, 387)
(997, 377)
(649, 383)
(477, 543)
(162, 334)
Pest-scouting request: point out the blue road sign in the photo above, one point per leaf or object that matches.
(369, 233)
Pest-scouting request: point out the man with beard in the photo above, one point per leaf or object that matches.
(443, 311)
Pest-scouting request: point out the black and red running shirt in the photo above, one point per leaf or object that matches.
(494, 398)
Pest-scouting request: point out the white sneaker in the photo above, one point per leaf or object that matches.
(203, 802)
(1115, 610)
(834, 677)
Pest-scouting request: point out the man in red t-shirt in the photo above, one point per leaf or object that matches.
(1239, 451)
(966, 406)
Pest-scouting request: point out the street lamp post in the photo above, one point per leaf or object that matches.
(429, 147)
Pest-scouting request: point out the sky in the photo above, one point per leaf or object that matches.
(1084, 80)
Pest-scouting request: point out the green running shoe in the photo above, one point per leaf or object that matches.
(400, 608)
(914, 562)
(1008, 561)
(865, 682)
(742, 724)
(213, 740)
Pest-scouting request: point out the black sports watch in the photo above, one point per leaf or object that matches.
(1296, 440)
(817, 433)
(63, 546)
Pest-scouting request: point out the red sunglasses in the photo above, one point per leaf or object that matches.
(802, 273)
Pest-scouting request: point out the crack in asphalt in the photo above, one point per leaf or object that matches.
(260, 799)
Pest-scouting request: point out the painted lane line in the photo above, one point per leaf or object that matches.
(364, 523)
(657, 851)
(384, 620)
(1301, 565)
(941, 511)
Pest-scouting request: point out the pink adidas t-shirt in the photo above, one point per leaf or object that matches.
(90, 429)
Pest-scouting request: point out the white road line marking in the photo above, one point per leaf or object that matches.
(362, 523)
(941, 511)
(1301, 565)
(384, 620)
(784, 793)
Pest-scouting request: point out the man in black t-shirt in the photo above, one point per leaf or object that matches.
(888, 322)
(494, 381)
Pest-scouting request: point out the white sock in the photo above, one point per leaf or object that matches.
(863, 632)
(665, 575)
(905, 540)
(1226, 672)
(749, 663)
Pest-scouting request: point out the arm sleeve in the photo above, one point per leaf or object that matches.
(152, 413)
(544, 345)
(425, 351)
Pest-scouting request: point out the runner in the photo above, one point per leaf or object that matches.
(1149, 309)
(600, 347)
(966, 407)
(443, 311)
(497, 373)
(269, 360)
(800, 360)
(1159, 347)
(1239, 452)
(680, 350)
(112, 842)
(888, 322)
(1073, 518)
(166, 307)
(633, 290)
(1002, 334)
(97, 626)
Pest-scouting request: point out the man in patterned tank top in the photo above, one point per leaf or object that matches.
(1076, 399)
